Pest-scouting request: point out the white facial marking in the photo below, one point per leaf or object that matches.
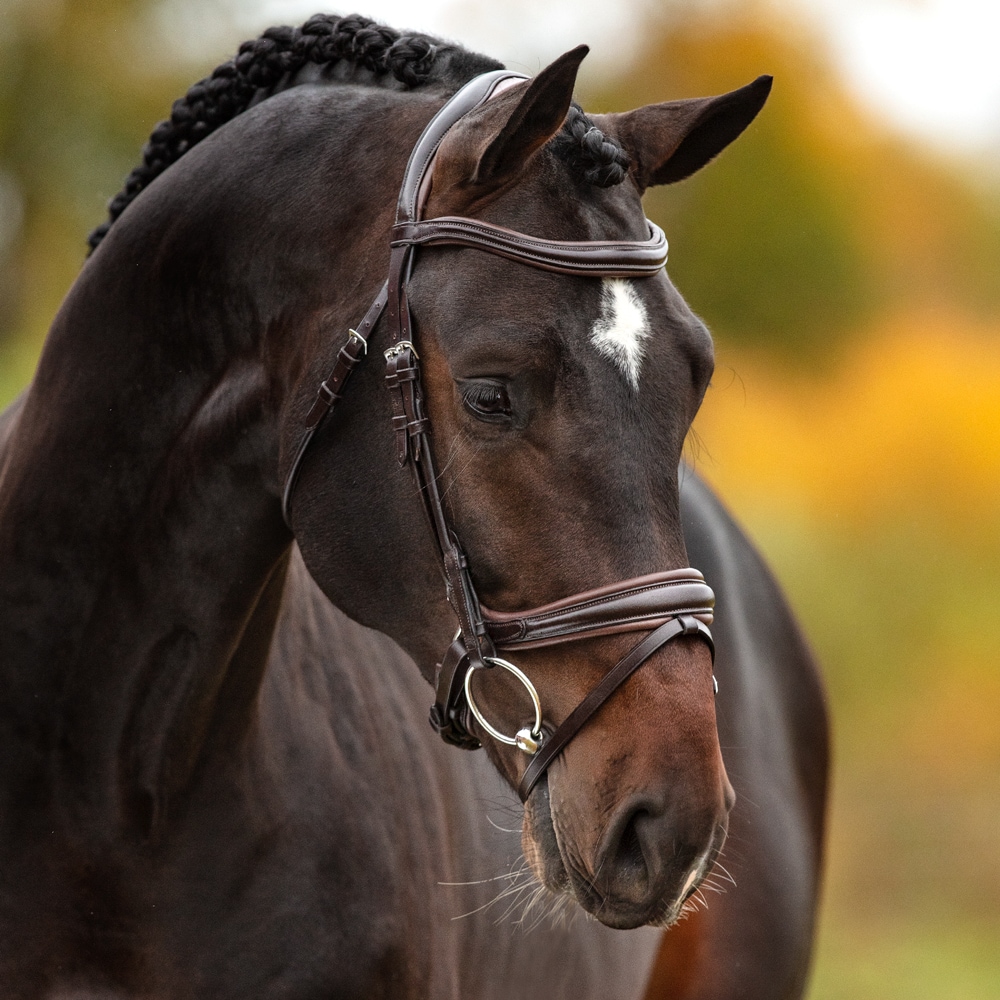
(692, 877)
(621, 328)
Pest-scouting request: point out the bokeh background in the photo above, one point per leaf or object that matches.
(845, 252)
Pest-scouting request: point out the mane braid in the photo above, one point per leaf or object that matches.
(264, 63)
(596, 157)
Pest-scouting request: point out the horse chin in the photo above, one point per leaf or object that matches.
(541, 846)
(552, 865)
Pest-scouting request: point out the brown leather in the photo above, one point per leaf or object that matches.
(332, 388)
(449, 715)
(471, 96)
(555, 743)
(402, 376)
(608, 259)
(674, 603)
(645, 602)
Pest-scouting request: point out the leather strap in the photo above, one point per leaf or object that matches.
(645, 602)
(449, 714)
(622, 670)
(607, 259)
(332, 388)
(476, 92)
(403, 368)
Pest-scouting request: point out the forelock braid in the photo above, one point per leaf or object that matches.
(260, 65)
(598, 158)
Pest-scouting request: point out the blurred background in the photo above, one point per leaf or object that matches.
(845, 253)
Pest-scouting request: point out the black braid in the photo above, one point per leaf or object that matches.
(261, 65)
(598, 158)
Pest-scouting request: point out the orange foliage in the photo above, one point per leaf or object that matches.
(906, 426)
(847, 222)
(952, 733)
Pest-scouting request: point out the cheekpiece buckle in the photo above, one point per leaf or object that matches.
(397, 349)
(358, 339)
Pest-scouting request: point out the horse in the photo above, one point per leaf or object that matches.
(218, 778)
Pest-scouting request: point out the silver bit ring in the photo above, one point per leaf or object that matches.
(528, 740)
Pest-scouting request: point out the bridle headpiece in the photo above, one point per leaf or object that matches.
(665, 605)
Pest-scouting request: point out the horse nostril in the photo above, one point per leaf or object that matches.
(641, 847)
(629, 858)
(651, 856)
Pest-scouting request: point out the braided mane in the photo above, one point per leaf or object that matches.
(370, 52)
(596, 157)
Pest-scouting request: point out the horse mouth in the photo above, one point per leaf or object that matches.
(622, 913)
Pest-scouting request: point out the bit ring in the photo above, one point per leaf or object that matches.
(526, 739)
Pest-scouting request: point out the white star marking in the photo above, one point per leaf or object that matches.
(621, 328)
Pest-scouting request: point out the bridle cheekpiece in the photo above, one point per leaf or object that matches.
(665, 605)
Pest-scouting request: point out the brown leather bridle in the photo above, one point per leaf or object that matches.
(666, 605)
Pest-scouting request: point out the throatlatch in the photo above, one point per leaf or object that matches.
(665, 605)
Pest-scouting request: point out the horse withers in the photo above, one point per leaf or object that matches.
(218, 775)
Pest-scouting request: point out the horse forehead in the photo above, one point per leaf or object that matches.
(613, 320)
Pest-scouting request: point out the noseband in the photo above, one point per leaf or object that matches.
(665, 605)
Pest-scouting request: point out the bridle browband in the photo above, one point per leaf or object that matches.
(665, 605)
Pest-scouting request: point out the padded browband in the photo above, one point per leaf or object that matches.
(607, 259)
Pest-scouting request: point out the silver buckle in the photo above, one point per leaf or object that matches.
(355, 336)
(398, 349)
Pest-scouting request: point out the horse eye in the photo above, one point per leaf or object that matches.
(486, 399)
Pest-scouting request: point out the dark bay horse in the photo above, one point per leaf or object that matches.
(217, 778)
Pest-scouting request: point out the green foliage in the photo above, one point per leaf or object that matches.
(927, 960)
(763, 250)
(81, 86)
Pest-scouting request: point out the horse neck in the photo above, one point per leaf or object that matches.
(141, 544)
(139, 533)
(141, 540)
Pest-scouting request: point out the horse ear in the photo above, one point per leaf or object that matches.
(538, 116)
(668, 142)
(492, 144)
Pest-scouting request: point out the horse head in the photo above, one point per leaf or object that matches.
(558, 406)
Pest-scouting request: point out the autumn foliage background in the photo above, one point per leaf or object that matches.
(851, 279)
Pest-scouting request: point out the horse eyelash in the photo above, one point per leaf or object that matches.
(474, 393)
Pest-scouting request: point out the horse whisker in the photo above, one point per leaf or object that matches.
(721, 868)
(502, 829)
